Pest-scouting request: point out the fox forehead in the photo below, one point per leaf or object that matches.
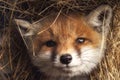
(67, 28)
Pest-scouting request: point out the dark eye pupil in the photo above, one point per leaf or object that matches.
(50, 43)
(81, 40)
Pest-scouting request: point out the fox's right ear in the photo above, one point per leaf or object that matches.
(100, 18)
(25, 27)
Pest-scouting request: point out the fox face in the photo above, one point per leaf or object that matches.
(67, 45)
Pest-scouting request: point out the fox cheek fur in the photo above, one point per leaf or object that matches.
(72, 46)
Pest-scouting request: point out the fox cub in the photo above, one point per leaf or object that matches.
(66, 46)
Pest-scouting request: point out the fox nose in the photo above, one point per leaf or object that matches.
(66, 59)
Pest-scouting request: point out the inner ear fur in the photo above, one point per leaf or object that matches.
(100, 17)
(25, 27)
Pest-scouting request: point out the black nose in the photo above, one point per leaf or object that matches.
(65, 59)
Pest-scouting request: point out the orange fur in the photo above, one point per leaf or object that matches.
(65, 31)
(67, 46)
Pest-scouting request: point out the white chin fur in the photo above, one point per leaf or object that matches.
(81, 63)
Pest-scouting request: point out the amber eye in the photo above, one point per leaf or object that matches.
(80, 40)
(50, 43)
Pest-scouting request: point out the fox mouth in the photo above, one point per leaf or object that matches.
(66, 69)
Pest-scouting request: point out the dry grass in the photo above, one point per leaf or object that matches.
(109, 69)
(12, 58)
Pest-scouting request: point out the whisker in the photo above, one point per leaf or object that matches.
(88, 61)
(87, 50)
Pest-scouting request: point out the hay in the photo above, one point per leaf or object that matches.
(17, 64)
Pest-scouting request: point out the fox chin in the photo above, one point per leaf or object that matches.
(67, 45)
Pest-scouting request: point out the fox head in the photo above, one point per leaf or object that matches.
(67, 45)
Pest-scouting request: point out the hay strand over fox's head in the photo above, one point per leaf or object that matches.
(16, 65)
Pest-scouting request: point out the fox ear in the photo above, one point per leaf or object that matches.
(100, 18)
(25, 27)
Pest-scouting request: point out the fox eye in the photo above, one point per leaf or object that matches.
(80, 40)
(50, 43)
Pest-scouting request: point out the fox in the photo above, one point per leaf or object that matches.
(67, 46)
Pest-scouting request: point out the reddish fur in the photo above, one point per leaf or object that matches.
(65, 31)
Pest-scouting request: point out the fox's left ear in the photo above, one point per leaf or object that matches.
(100, 18)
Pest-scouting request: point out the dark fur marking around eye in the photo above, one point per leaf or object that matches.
(53, 56)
